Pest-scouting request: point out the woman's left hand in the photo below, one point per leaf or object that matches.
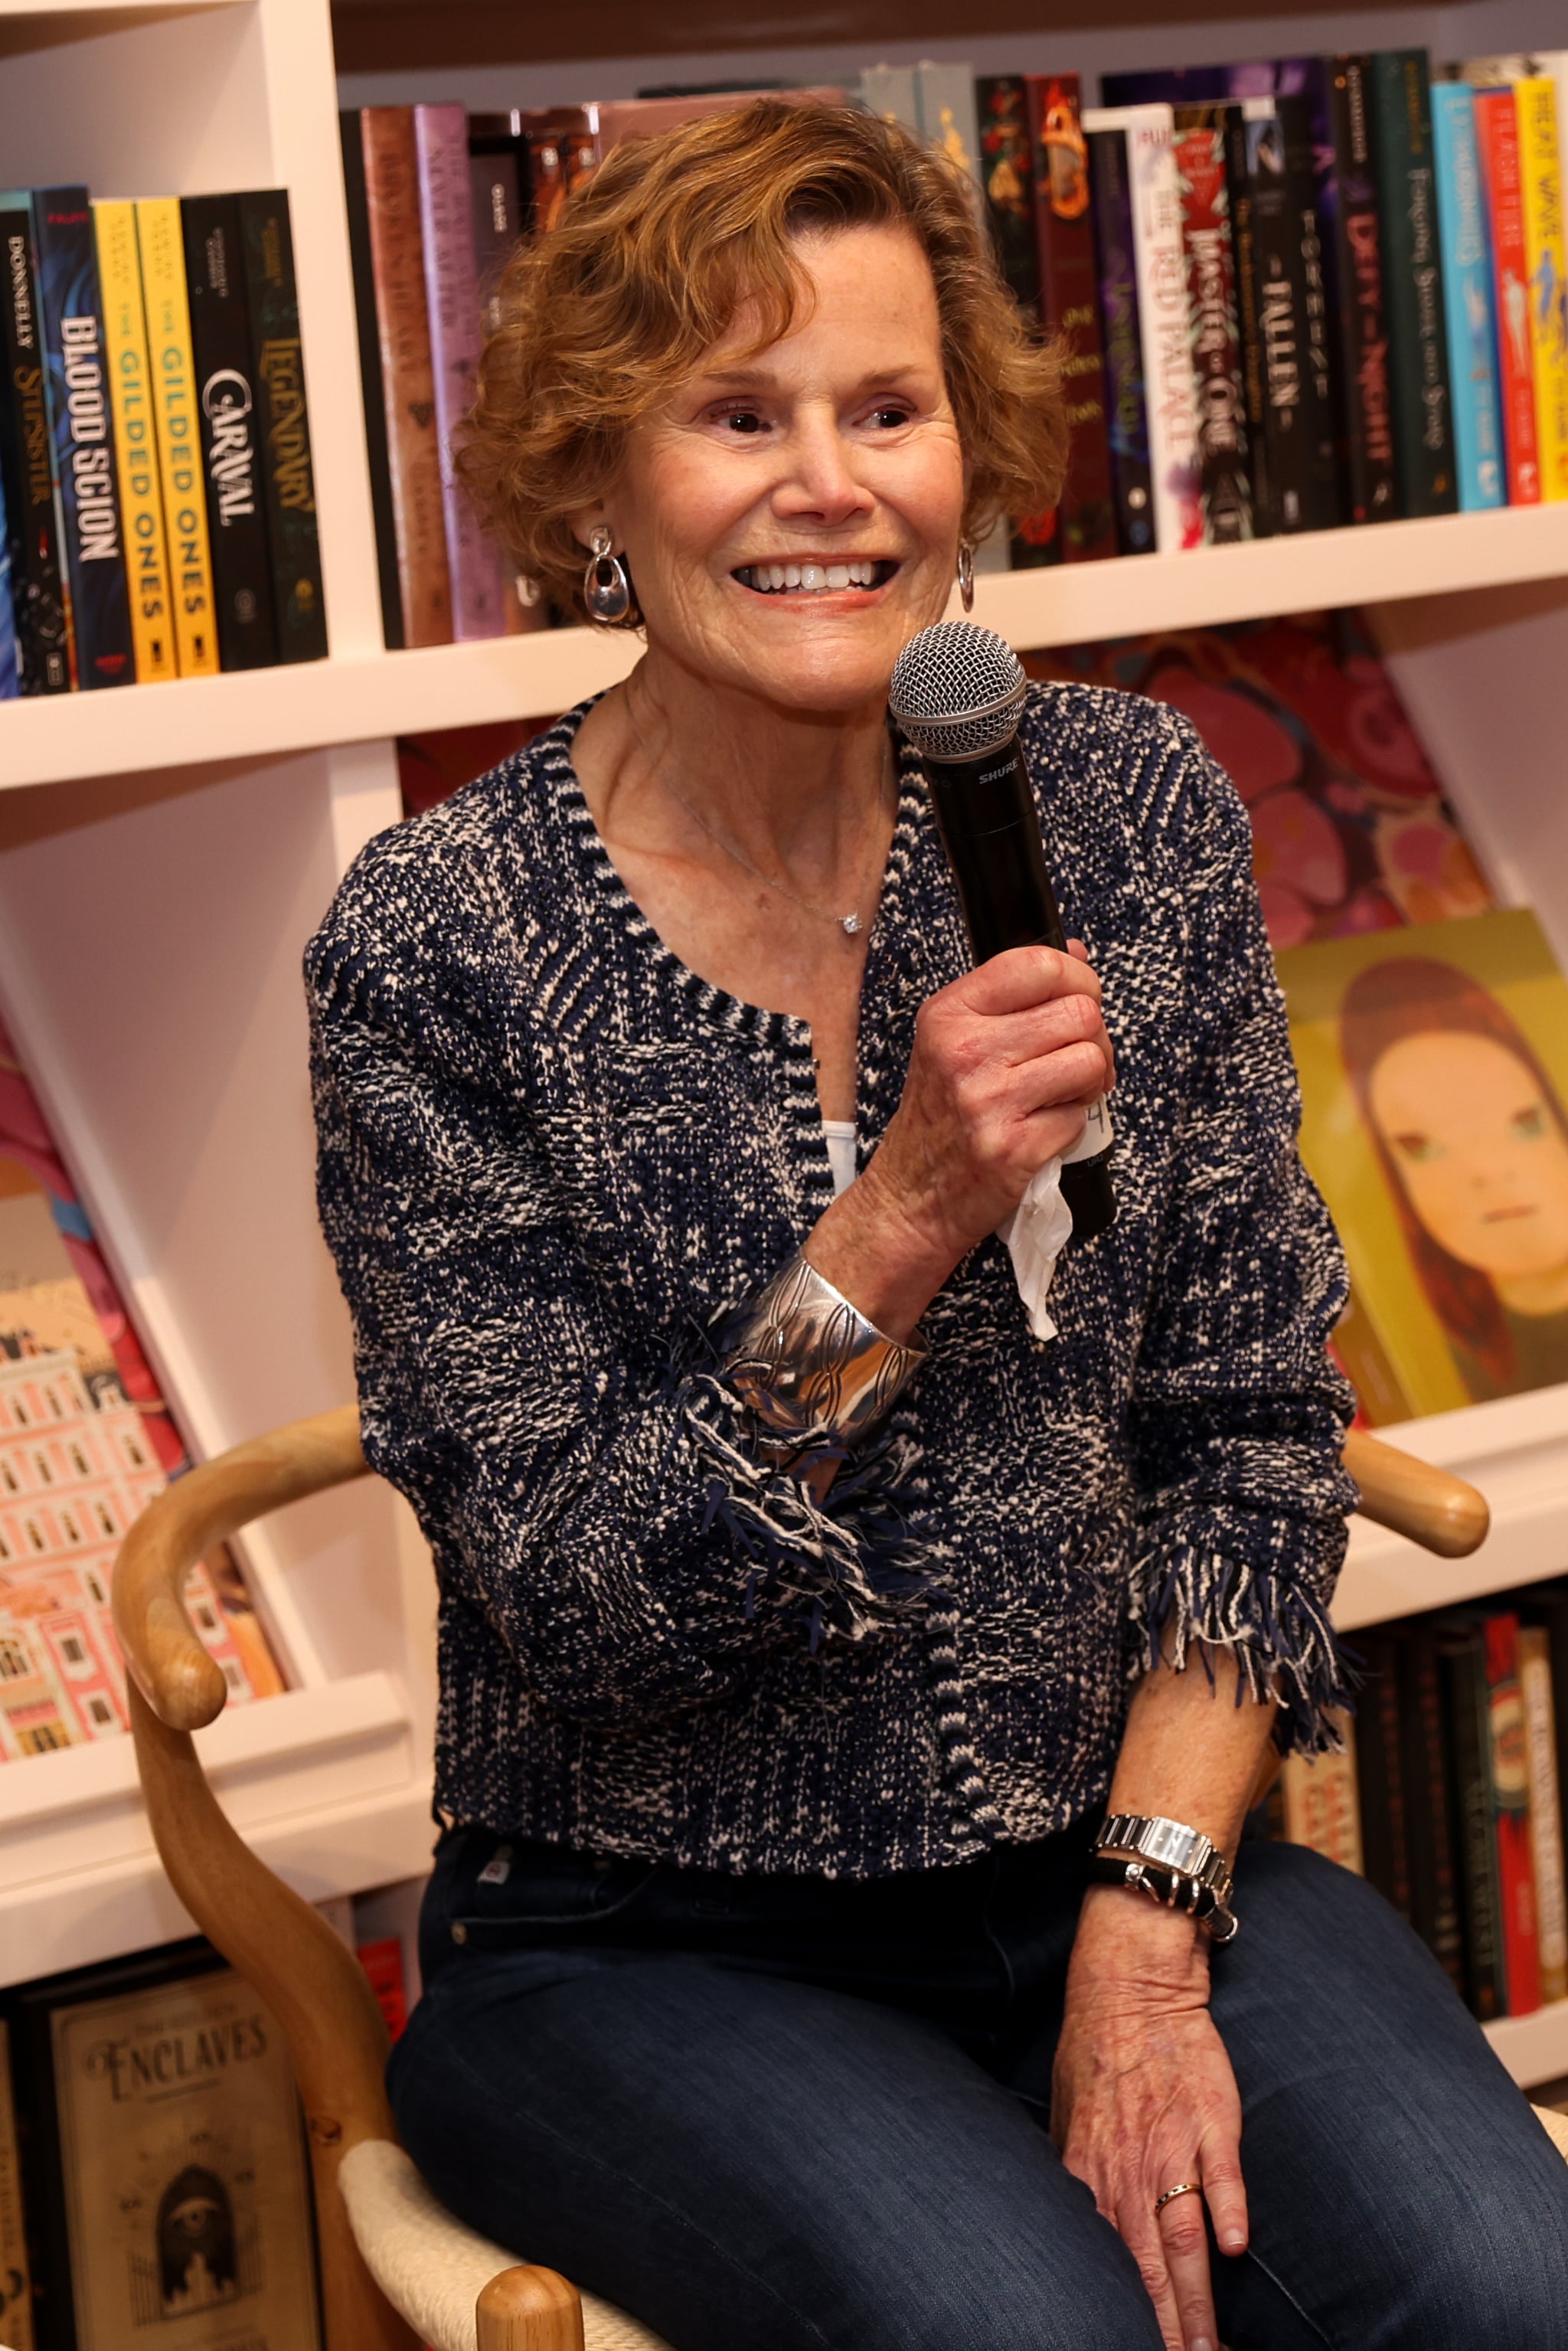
(1144, 2098)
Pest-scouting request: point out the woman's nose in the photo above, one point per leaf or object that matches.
(820, 482)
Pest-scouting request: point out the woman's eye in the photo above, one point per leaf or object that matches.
(889, 419)
(741, 420)
(1417, 1147)
(1529, 1124)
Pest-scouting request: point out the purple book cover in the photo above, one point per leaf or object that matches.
(456, 333)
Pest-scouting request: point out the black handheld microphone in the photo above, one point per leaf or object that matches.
(957, 693)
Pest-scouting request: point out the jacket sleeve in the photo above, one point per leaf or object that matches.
(618, 1533)
(1238, 1414)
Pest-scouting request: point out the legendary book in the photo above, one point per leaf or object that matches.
(1470, 306)
(231, 452)
(1399, 89)
(176, 405)
(27, 469)
(1365, 394)
(81, 423)
(136, 443)
(287, 474)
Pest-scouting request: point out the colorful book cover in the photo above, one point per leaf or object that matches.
(1126, 409)
(453, 302)
(1170, 394)
(1433, 1069)
(1085, 520)
(135, 442)
(71, 315)
(1496, 137)
(1006, 167)
(1546, 1809)
(408, 384)
(1469, 310)
(1202, 177)
(287, 474)
(1508, 1768)
(226, 400)
(1399, 89)
(162, 249)
(27, 469)
(1546, 257)
(86, 1441)
(1365, 392)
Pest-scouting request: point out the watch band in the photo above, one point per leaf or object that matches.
(1173, 1864)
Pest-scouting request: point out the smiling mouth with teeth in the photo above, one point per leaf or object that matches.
(812, 579)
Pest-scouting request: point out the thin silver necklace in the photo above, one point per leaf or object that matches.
(850, 922)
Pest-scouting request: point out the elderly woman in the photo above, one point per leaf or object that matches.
(783, 1982)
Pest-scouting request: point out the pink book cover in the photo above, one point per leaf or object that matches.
(457, 336)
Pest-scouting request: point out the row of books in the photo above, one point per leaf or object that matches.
(157, 498)
(1449, 1795)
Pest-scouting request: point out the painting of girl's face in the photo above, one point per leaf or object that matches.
(1482, 1157)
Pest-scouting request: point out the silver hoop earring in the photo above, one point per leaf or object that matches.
(965, 575)
(606, 583)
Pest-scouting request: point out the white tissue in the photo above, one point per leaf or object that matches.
(1036, 1234)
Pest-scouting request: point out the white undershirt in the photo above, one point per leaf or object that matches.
(839, 1134)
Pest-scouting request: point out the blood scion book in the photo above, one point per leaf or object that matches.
(1064, 243)
(32, 501)
(231, 455)
(1367, 410)
(1399, 89)
(1126, 410)
(162, 249)
(165, 2159)
(287, 475)
(82, 426)
(1203, 178)
(135, 442)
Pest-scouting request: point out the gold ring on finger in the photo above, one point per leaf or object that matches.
(1183, 2187)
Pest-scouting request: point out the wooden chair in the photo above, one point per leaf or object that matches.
(396, 2269)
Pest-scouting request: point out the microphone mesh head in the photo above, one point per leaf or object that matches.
(957, 690)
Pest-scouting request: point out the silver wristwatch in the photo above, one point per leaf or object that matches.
(1172, 1864)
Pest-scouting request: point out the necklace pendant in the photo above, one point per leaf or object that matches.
(852, 922)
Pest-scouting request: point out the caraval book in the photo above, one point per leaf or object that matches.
(164, 2161)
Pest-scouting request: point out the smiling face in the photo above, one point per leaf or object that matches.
(1482, 1157)
(790, 517)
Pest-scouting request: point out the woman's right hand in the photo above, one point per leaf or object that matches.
(1006, 1061)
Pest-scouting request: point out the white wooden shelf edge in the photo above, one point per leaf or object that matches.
(364, 695)
(1534, 2048)
(1515, 1452)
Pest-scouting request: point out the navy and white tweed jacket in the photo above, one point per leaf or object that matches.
(552, 1159)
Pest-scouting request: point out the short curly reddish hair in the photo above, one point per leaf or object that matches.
(645, 270)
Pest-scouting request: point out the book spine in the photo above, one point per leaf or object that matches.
(1008, 172)
(1323, 1806)
(1287, 353)
(408, 385)
(10, 678)
(1469, 310)
(452, 299)
(1546, 1810)
(1201, 177)
(1497, 136)
(1399, 91)
(287, 475)
(1507, 1766)
(547, 178)
(1239, 138)
(350, 129)
(1428, 1812)
(43, 634)
(1069, 307)
(1169, 391)
(1380, 1778)
(1467, 1723)
(71, 314)
(15, 2288)
(1546, 258)
(135, 442)
(231, 457)
(177, 415)
(1126, 415)
(945, 101)
(496, 197)
(888, 92)
(1367, 416)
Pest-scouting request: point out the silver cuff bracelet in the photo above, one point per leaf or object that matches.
(811, 1366)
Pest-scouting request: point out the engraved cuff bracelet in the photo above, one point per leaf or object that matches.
(815, 1372)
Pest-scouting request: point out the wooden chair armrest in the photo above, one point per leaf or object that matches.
(1430, 1506)
(181, 1682)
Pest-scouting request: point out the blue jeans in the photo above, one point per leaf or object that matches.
(778, 2115)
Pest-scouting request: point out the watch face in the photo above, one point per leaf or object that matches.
(1175, 1846)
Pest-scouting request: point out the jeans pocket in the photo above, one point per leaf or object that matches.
(506, 1891)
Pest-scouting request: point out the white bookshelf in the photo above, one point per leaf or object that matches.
(165, 852)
